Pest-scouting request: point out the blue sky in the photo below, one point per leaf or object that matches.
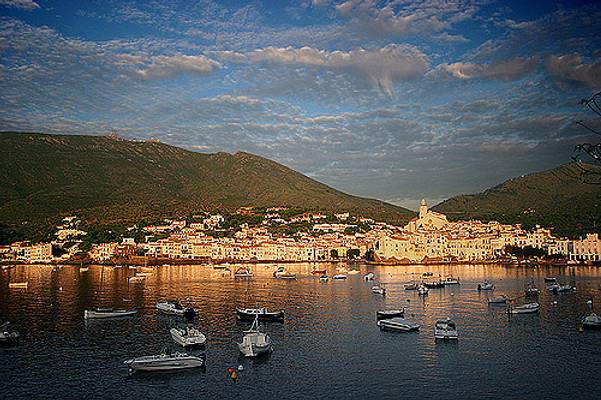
(396, 100)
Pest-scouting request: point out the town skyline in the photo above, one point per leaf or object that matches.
(392, 100)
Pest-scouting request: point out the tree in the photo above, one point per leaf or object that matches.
(353, 253)
(586, 154)
(369, 255)
(334, 253)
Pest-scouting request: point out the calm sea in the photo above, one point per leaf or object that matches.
(328, 348)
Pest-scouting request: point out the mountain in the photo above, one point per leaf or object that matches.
(108, 180)
(554, 198)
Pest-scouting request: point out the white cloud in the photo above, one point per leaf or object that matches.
(23, 4)
(382, 67)
(502, 70)
(570, 67)
(168, 66)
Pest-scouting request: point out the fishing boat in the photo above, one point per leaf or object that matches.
(104, 313)
(173, 307)
(451, 281)
(188, 337)
(445, 329)
(8, 336)
(370, 276)
(411, 286)
(339, 277)
(498, 300)
(388, 314)
(591, 321)
(164, 362)
(397, 324)
(422, 290)
(486, 285)
(255, 343)
(324, 278)
(18, 285)
(525, 309)
(136, 279)
(378, 290)
(243, 272)
(249, 314)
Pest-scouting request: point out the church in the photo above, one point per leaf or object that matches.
(427, 219)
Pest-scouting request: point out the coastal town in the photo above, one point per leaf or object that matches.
(428, 238)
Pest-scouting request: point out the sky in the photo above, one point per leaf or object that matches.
(396, 100)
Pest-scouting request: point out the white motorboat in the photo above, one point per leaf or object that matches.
(525, 309)
(243, 273)
(249, 314)
(188, 337)
(255, 343)
(378, 290)
(591, 321)
(101, 313)
(422, 290)
(388, 314)
(498, 300)
(8, 336)
(339, 277)
(369, 276)
(398, 324)
(324, 278)
(164, 362)
(173, 307)
(445, 329)
(486, 285)
(451, 281)
(18, 285)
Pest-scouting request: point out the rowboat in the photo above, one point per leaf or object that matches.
(104, 313)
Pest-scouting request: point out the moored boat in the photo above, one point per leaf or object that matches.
(318, 272)
(591, 321)
(136, 279)
(188, 337)
(434, 284)
(422, 290)
(164, 362)
(104, 313)
(525, 309)
(378, 290)
(8, 336)
(449, 280)
(486, 285)
(411, 286)
(339, 277)
(445, 329)
(243, 272)
(370, 276)
(550, 279)
(173, 307)
(398, 324)
(498, 300)
(531, 290)
(324, 278)
(18, 285)
(282, 273)
(255, 343)
(249, 314)
(388, 314)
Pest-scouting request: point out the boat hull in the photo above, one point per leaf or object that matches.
(392, 325)
(388, 314)
(88, 314)
(266, 316)
(164, 365)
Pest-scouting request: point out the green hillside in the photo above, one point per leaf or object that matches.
(555, 198)
(109, 180)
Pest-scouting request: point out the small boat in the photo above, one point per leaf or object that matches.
(339, 277)
(411, 286)
(188, 337)
(173, 307)
(102, 313)
(563, 288)
(324, 278)
(451, 281)
(249, 314)
(378, 290)
(18, 285)
(434, 285)
(427, 274)
(550, 279)
(164, 362)
(397, 324)
(255, 343)
(243, 273)
(318, 272)
(531, 290)
(422, 290)
(445, 329)
(486, 285)
(369, 276)
(8, 336)
(388, 314)
(525, 309)
(498, 300)
(591, 321)
(146, 269)
(136, 279)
